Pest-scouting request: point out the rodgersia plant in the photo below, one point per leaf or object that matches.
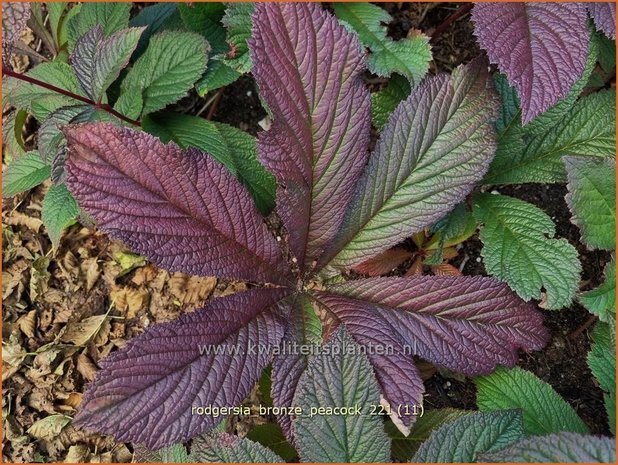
(338, 206)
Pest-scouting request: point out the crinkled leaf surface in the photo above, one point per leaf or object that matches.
(602, 300)
(181, 209)
(111, 16)
(304, 328)
(436, 146)
(467, 324)
(541, 47)
(24, 173)
(466, 437)
(602, 363)
(592, 199)
(557, 448)
(176, 453)
(228, 145)
(14, 17)
(97, 60)
(59, 210)
(308, 68)
(145, 392)
(227, 448)
(604, 16)
(165, 72)
(519, 248)
(50, 134)
(409, 57)
(383, 262)
(205, 19)
(384, 101)
(237, 21)
(271, 436)
(544, 411)
(340, 378)
(153, 18)
(587, 129)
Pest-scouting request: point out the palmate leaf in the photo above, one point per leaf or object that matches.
(146, 391)
(467, 324)
(158, 200)
(557, 448)
(592, 199)
(467, 437)
(437, 144)
(14, 18)
(544, 411)
(604, 16)
(340, 377)
(519, 248)
(97, 60)
(541, 47)
(409, 57)
(308, 67)
(226, 448)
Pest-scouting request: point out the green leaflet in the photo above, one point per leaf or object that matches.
(465, 438)
(55, 10)
(230, 146)
(59, 210)
(24, 173)
(404, 447)
(205, 19)
(602, 300)
(592, 199)
(225, 448)
(111, 16)
(384, 102)
(587, 129)
(338, 377)
(451, 230)
(602, 363)
(217, 75)
(409, 57)
(520, 250)
(237, 21)
(38, 100)
(168, 68)
(544, 411)
(557, 448)
(153, 17)
(12, 138)
(271, 436)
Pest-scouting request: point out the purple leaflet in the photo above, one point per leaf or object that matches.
(181, 209)
(14, 18)
(146, 391)
(604, 17)
(308, 68)
(467, 324)
(541, 47)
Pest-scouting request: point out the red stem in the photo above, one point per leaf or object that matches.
(36, 82)
(461, 11)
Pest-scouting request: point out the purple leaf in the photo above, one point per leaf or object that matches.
(308, 68)
(435, 147)
(181, 209)
(604, 16)
(150, 390)
(14, 18)
(467, 324)
(541, 47)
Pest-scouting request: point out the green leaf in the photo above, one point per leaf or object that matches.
(520, 249)
(602, 363)
(205, 19)
(59, 210)
(169, 67)
(38, 100)
(339, 378)
(24, 173)
(384, 102)
(271, 436)
(466, 437)
(225, 448)
(111, 16)
(409, 57)
(230, 146)
(544, 411)
(592, 199)
(217, 75)
(237, 21)
(587, 129)
(176, 453)
(404, 447)
(557, 448)
(451, 230)
(153, 18)
(12, 139)
(602, 300)
(55, 11)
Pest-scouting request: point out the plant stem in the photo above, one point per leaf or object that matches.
(461, 11)
(103, 106)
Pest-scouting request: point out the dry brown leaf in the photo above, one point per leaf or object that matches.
(129, 300)
(80, 332)
(416, 269)
(49, 427)
(90, 268)
(86, 367)
(27, 323)
(445, 269)
(144, 275)
(73, 400)
(17, 218)
(383, 262)
(39, 277)
(77, 454)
